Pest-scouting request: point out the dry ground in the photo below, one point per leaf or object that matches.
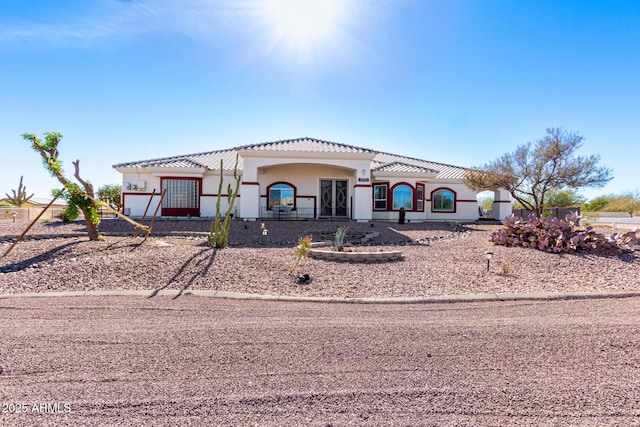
(133, 361)
(448, 261)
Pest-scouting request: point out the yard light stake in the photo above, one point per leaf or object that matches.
(488, 254)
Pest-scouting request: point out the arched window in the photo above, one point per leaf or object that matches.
(402, 197)
(443, 200)
(281, 195)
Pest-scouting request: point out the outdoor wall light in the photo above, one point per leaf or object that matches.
(488, 255)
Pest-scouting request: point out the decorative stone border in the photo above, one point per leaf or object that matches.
(355, 256)
(351, 254)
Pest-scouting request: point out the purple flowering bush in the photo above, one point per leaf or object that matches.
(559, 236)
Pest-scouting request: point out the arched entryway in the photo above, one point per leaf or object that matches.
(485, 204)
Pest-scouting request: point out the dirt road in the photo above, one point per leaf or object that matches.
(201, 361)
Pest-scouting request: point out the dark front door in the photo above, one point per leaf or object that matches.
(334, 197)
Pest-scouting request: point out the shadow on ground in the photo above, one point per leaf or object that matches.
(203, 259)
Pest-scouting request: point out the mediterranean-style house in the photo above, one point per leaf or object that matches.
(304, 178)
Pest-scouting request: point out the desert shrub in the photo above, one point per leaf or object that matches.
(70, 213)
(506, 269)
(338, 241)
(300, 252)
(559, 236)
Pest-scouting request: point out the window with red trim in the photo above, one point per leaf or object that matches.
(443, 200)
(380, 197)
(420, 197)
(182, 197)
(402, 197)
(281, 194)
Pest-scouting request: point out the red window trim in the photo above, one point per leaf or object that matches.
(182, 211)
(413, 197)
(295, 193)
(390, 188)
(373, 196)
(455, 200)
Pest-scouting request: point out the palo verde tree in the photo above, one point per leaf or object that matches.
(19, 197)
(111, 194)
(534, 170)
(563, 198)
(78, 198)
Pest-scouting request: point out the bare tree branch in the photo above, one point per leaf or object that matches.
(87, 185)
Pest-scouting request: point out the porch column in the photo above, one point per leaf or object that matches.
(250, 192)
(250, 201)
(501, 204)
(363, 202)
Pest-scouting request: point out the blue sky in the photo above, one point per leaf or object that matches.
(459, 82)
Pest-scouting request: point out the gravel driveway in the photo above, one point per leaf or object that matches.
(439, 259)
(123, 361)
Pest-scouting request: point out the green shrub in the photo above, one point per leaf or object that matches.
(70, 213)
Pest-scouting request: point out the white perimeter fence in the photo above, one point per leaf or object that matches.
(53, 213)
(614, 219)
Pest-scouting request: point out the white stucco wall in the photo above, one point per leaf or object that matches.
(502, 206)
(134, 179)
(466, 202)
(135, 200)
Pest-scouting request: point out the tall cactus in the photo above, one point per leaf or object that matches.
(219, 232)
(20, 197)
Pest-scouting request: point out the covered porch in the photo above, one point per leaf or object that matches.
(306, 188)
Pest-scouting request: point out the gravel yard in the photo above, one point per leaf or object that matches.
(439, 259)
